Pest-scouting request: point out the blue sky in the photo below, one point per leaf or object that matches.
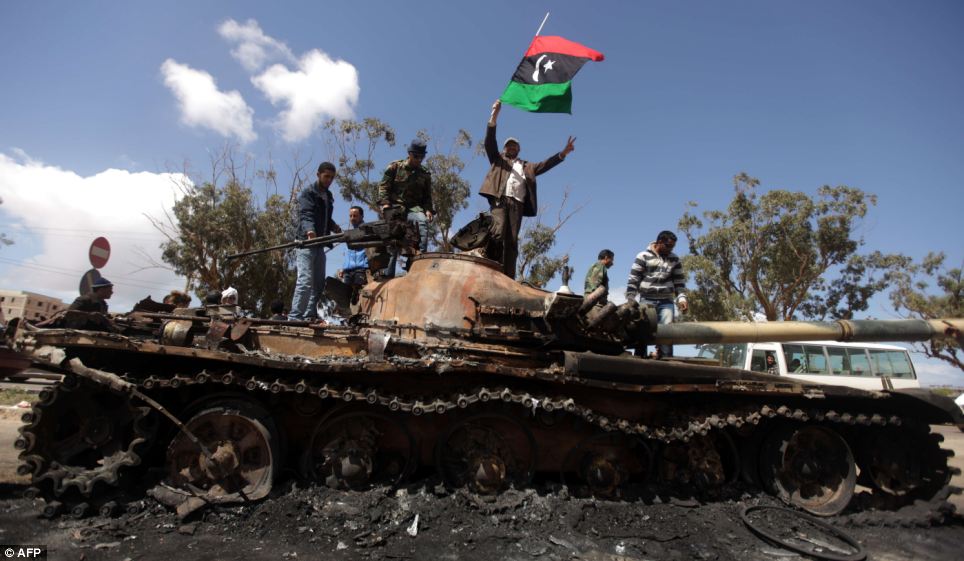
(799, 94)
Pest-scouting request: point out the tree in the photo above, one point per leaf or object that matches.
(912, 299)
(220, 216)
(353, 144)
(536, 266)
(450, 191)
(782, 253)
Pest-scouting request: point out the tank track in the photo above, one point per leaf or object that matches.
(57, 482)
(414, 406)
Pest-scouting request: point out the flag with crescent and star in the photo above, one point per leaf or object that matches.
(543, 81)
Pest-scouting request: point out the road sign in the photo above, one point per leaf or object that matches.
(99, 252)
(87, 281)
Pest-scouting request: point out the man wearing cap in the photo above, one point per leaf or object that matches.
(96, 299)
(314, 219)
(406, 183)
(657, 277)
(510, 187)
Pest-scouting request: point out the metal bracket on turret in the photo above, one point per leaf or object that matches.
(560, 306)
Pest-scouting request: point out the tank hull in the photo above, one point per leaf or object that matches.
(453, 370)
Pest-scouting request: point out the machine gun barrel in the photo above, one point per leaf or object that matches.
(321, 240)
(379, 233)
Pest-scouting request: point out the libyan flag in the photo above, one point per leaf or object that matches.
(543, 81)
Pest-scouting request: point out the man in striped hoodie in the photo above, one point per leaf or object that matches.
(657, 277)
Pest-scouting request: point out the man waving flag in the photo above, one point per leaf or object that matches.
(543, 81)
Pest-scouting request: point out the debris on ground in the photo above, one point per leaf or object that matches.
(423, 521)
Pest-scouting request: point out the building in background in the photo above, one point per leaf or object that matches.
(28, 305)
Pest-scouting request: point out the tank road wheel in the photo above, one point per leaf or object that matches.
(810, 467)
(704, 462)
(79, 435)
(903, 464)
(243, 444)
(356, 450)
(604, 463)
(487, 453)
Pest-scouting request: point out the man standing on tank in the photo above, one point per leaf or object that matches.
(406, 183)
(657, 277)
(598, 274)
(315, 205)
(510, 187)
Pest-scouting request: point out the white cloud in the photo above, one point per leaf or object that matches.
(204, 105)
(252, 47)
(319, 88)
(54, 214)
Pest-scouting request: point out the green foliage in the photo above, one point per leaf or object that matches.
(450, 191)
(782, 253)
(354, 144)
(913, 298)
(213, 220)
(535, 265)
(13, 396)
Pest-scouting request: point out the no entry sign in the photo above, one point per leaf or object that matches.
(99, 252)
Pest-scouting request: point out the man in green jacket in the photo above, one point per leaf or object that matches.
(408, 184)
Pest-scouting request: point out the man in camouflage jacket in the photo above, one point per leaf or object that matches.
(408, 184)
(598, 275)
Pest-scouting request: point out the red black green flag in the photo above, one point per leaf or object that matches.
(543, 81)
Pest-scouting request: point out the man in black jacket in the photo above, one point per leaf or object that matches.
(510, 187)
(314, 219)
(95, 300)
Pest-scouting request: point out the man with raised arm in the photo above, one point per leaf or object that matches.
(510, 187)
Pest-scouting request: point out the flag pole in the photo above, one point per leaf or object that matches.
(541, 24)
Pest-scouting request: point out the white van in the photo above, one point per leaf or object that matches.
(867, 366)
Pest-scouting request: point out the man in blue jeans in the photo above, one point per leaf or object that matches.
(657, 277)
(314, 219)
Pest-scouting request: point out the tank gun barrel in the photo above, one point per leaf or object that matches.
(908, 330)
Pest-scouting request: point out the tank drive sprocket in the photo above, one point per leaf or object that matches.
(80, 436)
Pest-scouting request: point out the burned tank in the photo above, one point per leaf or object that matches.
(455, 369)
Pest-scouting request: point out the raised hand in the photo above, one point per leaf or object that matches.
(570, 146)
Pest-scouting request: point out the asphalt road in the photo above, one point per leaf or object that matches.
(954, 440)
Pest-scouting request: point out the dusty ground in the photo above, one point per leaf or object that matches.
(423, 521)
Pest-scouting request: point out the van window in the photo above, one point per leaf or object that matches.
(881, 362)
(795, 358)
(816, 361)
(839, 362)
(759, 361)
(729, 355)
(900, 363)
(859, 364)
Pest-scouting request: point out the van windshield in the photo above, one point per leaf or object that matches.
(732, 355)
